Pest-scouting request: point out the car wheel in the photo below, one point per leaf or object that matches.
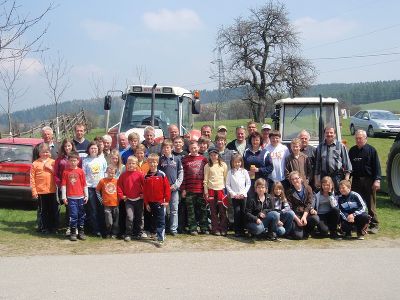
(352, 130)
(370, 131)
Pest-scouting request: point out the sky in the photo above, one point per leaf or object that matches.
(108, 44)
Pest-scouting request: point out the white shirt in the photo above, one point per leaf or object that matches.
(238, 182)
(278, 157)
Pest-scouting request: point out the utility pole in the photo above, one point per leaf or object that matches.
(221, 79)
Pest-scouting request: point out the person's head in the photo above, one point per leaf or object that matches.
(255, 140)
(178, 144)
(44, 151)
(222, 130)
(92, 150)
(140, 152)
(100, 144)
(115, 159)
(133, 140)
(295, 146)
(304, 136)
(149, 135)
(173, 131)
(206, 131)
(193, 148)
(327, 185)
(73, 159)
(344, 187)
(330, 135)
(66, 147)
(131, 163)
(240, 134)
(251, 127)
(122, 140)
(278, 190)
(47, 134)
(107, 141)
(295, 179)
(213, 156)
(166, 147)
(111, 170)
(260, 186)
(152, 160)
(237, 161)
(220, 141)
(203, 143)
(265, 130)
(275, 137)
(361, 138)
(79, 130)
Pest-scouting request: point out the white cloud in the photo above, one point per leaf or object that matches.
(101, 30)
(29, 66)
(167, 20)
(326, 30)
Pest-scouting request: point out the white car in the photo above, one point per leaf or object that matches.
(375, 122)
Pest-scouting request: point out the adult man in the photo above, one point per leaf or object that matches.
(240, 144)
(123, 144)
(222, 130)
(206, 132)
(265, 130)
(173, 132)
(332, 159)
(47, 136)
(366, 175)
(308, 150)
(81, 144)
(149, 142)
(107, 141)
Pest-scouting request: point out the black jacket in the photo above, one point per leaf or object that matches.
(254, 207)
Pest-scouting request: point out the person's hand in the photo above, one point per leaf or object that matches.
(298, 222)
(183, 194)
(258, 221)
(36, 196)
(261, 215)
(280, 223)
(173, 188)
(376, 185)
(164, 204)
(313, 211)
(205, 196)
(148, 207)
(350, 218)
(65, 201)
(85, 200)
(304, 220)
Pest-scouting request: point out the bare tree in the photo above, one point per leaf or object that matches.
(262, 53)
(57, 73)
(14, 28)
(97, 85)
(10, 74)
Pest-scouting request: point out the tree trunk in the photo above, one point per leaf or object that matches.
(261, 113)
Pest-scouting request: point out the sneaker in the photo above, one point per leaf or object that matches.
(127, 238)
(193, 233)
(206, 232)
(335, 236)
(217, 233)
(81, 235)
(160, 243)
(174, 233)
(143, 235)
(108, 236)
(113, 236)
(224, 233)
(373, 230)
(73, 237)
(360, 237)
(98, 234)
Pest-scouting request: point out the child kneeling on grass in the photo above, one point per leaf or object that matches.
(156, 194)
(74, 193)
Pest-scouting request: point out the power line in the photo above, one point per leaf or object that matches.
(355, 56)
(362, 66)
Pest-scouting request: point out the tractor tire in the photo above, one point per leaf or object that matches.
(393, 172)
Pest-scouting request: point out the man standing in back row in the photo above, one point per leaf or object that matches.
(366, 175)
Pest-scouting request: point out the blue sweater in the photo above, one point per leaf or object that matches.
(172, 167)
(351, 204)
(261, 159)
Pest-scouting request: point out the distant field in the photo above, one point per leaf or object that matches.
(392, 105)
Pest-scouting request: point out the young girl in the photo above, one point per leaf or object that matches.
(94, 167)
(238, 184)
(325, 205)
(116, 162)
(214, 183)
(286, 215)
(44, 189)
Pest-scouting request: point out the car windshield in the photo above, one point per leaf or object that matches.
(137, 111)
(16, 153)
(383, 115)
(298, 117)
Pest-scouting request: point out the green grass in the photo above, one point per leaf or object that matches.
(392, 105)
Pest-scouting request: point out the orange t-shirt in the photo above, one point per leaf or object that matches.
(108, 189)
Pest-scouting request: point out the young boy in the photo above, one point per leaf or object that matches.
(106, 191)
(352, 211)
(44, 189)
(75, 194)
(172, 167)
(192, 189)
(143, 166)
(298, 161)
(130, 190)
(156, 194)
(178, 150)
(133, 140)
(204, 144)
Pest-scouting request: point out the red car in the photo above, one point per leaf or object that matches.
(15, 166)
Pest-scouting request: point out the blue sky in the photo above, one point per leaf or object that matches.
(172, 41)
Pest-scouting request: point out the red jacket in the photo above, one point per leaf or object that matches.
(156, 188)
(130, 184)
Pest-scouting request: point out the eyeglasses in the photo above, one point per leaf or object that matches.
(297, 178)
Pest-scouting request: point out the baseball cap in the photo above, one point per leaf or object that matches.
(266, 126)
(222, 127)
(212, 150)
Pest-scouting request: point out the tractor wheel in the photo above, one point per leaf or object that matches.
(393, 172)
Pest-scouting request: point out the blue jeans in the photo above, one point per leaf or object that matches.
(76, 213)
(173, 211)
(286, 218)
(268, 223)
(158, 213)
(95, 211)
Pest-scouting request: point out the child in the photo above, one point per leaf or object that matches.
(352, 211)
(133, 140)
(44, 189)
(75, 194)
(116, 162)
(192, 189)
(156, 194)
(94, 167)
(178, 150)
(143, 166)
(107, 193)
(261, 217)
(130, 190)
(298, 161)
(203, 143)
(214, 184)
(172, 167)
(281, 205)
(238, 184)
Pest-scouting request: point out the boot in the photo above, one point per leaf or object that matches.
(81, 234)
(73, 236)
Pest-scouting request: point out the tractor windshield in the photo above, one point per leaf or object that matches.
(298, 117)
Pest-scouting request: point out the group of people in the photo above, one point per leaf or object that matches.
(254, 184)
